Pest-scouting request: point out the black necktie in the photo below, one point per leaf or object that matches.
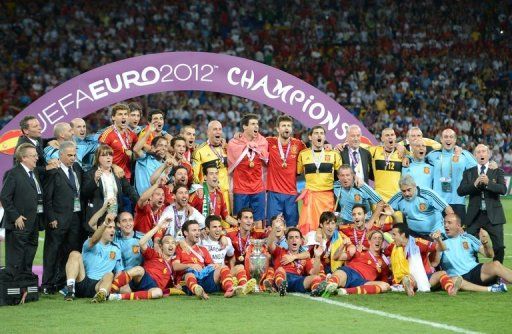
(482, 169)
(72, 179)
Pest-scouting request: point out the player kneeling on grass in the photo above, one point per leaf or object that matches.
(194, 264)
(405, 246)
(90, 274)
(220, 247)
(366, 273)
(155, 277)
(459, 259)
(297, 275)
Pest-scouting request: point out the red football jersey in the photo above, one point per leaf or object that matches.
(370, 268)
(155, 266)
(426, 247)
(248, 180)
(145, 219)
(201, 256)
(240, 244)
(298, 267)
(111, 138)
(217, 204)
(281, 179)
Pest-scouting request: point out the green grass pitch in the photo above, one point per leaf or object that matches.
(387, 313)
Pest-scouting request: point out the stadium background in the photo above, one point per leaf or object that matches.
(425, 63)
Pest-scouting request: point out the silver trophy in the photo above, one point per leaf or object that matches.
(257, 261)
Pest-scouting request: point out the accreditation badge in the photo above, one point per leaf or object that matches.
(76, 205)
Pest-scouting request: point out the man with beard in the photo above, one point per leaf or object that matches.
(349, 194)
(423, 208)
(449, 165)
(211, 152)
(156, 118)
(219, 252)
(282, 172)
(175, 161)
(360, 228)
(365, 273)
(484, 187)
(336, 246)
(387, 164)
(299, 275)
(120, 138)
(195, 265)
(85, 145)
(420, 170)
(415, 134)
(209, 199)
(149, 208)
(189, 133)
(247, 155)
(134, 117)
(178, 213)
(318, 166)
(147, 163)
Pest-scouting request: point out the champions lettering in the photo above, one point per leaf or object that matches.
(288, 94)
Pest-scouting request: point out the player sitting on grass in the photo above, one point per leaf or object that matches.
(153, 279)
(459, 259)
(214, 243)
(128, 241)
(401, 250)
(297, 275)
(366, 273)
(196, 266)
(337, 247)
(90, 274)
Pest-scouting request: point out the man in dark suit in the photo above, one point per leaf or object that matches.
(484, 187)
(357, 157)
(22, 198)
(31, 129)
(63, 211)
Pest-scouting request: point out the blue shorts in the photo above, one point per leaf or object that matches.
(146, 282)
(254, 201)
(282, 203)
(295, 283)
(354, 279)
(208, 284)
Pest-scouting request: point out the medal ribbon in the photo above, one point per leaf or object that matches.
(244, 248)
(284, 156)
(318, 162)
(121, 139)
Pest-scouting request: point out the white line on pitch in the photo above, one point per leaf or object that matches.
(388, 315)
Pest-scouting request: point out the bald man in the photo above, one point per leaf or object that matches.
(213, 153)
(484, 187)
(448, 166)
(61, 132)
(85, 145)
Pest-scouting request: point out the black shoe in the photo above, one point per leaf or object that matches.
(319, 290)
(282, 288)
(47, 290)
(70, 295)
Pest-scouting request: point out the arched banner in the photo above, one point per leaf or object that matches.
(178, 71)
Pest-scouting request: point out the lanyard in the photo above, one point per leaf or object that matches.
(121, 139)
(170, 270)
(219, 155)
(318, 162)
(284, 156)
(357, 239)
(377, 264)
(177, 220)
(244, 248)
(201, 259)
(155, 218)
(451, 166)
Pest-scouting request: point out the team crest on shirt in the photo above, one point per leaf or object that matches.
(465, 245)
(327, 158)
(357, 198)
(135, 249)
(294, 149)
(112, 255)
(426, 170)
(369, 262)
(423, 207)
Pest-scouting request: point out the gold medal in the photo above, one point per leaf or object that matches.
(251, 164)
(241, 258)
(284, 164)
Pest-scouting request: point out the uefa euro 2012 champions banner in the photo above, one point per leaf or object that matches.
(177, 71)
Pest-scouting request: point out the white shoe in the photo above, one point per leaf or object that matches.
(114, 296)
